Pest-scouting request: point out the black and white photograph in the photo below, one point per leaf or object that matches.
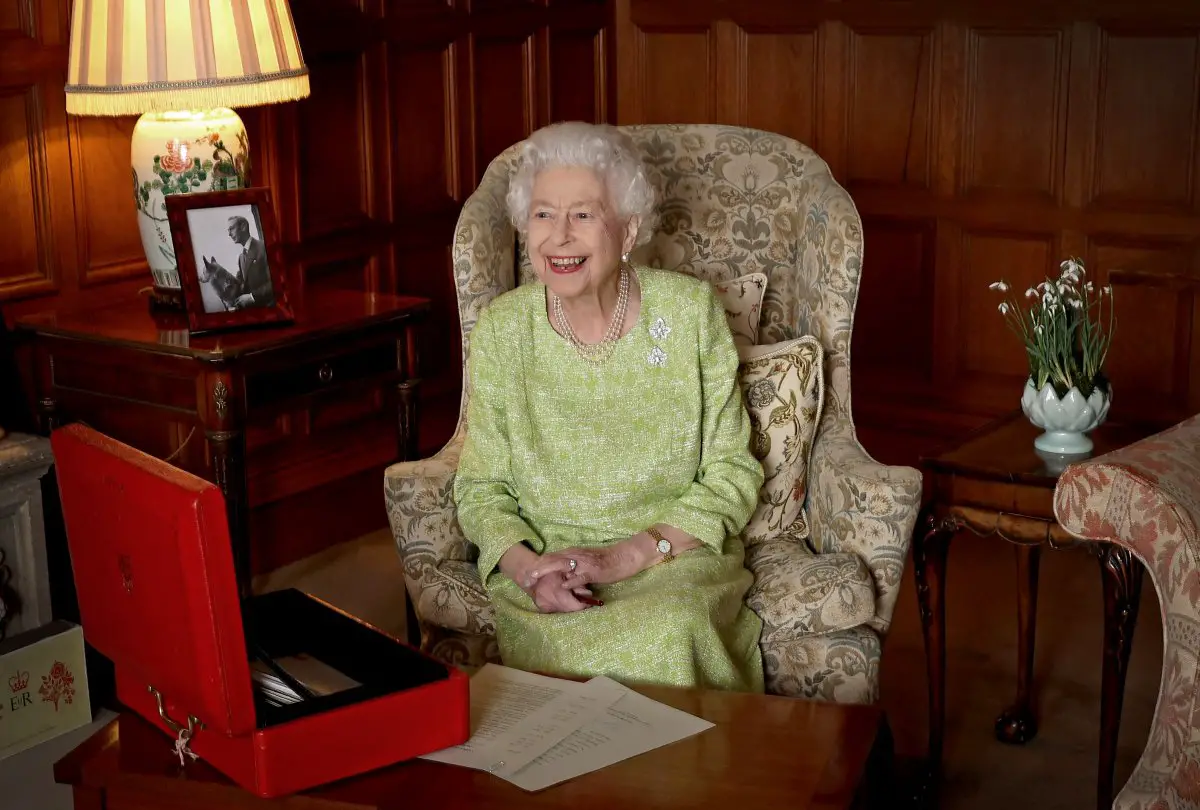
(231, 258)
(231, 266)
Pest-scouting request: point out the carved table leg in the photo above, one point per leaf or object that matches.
(48, 415)
(931, 545)
(1122, 576)
(406, 412)
(228, 460)
(1017, 724)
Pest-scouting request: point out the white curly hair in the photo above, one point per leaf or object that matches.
(602, 148)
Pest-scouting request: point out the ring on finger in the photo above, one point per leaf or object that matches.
(573, 565)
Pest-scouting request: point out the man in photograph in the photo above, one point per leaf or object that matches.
(256, 289)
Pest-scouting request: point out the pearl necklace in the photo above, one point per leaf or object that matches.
(596, 353)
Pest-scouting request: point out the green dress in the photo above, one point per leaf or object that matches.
(562, 454)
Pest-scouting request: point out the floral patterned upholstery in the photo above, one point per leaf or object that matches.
(1146, 497)
(732, 202)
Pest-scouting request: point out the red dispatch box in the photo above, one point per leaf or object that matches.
(154, 570)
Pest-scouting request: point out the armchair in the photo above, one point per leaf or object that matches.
(1146, 498)
(732, 201)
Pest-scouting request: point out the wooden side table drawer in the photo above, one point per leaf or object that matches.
(323, 373)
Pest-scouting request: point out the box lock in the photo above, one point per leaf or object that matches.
(183, 733)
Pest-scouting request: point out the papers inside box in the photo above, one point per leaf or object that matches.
(306, 645)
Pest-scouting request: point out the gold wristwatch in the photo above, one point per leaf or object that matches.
(661, 543)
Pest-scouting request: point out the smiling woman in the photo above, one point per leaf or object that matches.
(606, 475)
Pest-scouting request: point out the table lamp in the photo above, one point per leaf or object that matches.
(181, 65)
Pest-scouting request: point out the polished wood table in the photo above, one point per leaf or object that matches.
(997, 484)
(763, 752)
(271, 415)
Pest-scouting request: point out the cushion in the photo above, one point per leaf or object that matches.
(784, 389)
(797, 593)
(742, 298)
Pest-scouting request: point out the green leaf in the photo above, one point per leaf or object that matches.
(782, 415)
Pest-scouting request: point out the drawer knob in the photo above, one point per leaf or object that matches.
(325, 373)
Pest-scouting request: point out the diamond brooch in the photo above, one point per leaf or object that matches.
(659, 329)
(657, 357)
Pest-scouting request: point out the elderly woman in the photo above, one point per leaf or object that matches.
(606, 474)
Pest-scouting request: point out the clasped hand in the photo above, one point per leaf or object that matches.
(598, 566)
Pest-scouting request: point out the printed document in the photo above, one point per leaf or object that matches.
(536, 731)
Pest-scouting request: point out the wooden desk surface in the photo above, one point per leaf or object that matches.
(131, 323)
(763, 752)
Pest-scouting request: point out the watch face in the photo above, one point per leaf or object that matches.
(664, 547)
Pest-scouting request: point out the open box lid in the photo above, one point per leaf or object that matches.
(154, 573)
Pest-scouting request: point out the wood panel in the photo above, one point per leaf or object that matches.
(788, 105)
(890, 104)
(979, 141)
(411, 99)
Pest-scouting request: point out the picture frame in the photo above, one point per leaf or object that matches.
(231, 267)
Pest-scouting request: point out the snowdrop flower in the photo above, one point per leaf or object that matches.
(1089, 286)
(1031, 293)
(998, 285)
(1003, 308)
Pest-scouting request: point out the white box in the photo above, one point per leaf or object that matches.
(43, 686)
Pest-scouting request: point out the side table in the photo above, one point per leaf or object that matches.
(265, 413)
(998, 484)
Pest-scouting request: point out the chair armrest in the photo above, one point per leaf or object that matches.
(856, 504)
(439, 561)
(1146, 498)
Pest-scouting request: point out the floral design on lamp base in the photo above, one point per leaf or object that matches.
(185, 152)
(1066, 421)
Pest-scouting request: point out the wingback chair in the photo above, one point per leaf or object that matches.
(1146, 498)
(732, 201)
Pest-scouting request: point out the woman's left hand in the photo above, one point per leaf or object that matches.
(600, 566)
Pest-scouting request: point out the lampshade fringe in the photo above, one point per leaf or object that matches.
(87, 101)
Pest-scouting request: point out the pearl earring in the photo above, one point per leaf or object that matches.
(625, 256)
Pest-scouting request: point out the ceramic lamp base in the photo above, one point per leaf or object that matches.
(181, 152)
(1063, 442)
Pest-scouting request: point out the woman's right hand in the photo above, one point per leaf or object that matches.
(547, 592)
(551, 597)
(518, 564)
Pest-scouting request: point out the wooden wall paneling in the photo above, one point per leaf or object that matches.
(35, 184)
(890, 96)
(28, 263)
(1145, 136)
(894, 316)
(505, 94)
(1022, 260)
(979, 141)
(110, 245)
(1015, 114)
(778, 80)
(576, 60)
(1150, 362)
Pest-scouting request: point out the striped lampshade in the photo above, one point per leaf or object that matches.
(135, 56)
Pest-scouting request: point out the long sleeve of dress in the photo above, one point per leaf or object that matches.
(721, 499)
(483, 486)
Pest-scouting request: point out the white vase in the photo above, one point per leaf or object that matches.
(1065, 421)
(183, 152)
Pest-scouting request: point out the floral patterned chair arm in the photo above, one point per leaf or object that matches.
(1146, 498)
(439, 562)
(859, 505)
